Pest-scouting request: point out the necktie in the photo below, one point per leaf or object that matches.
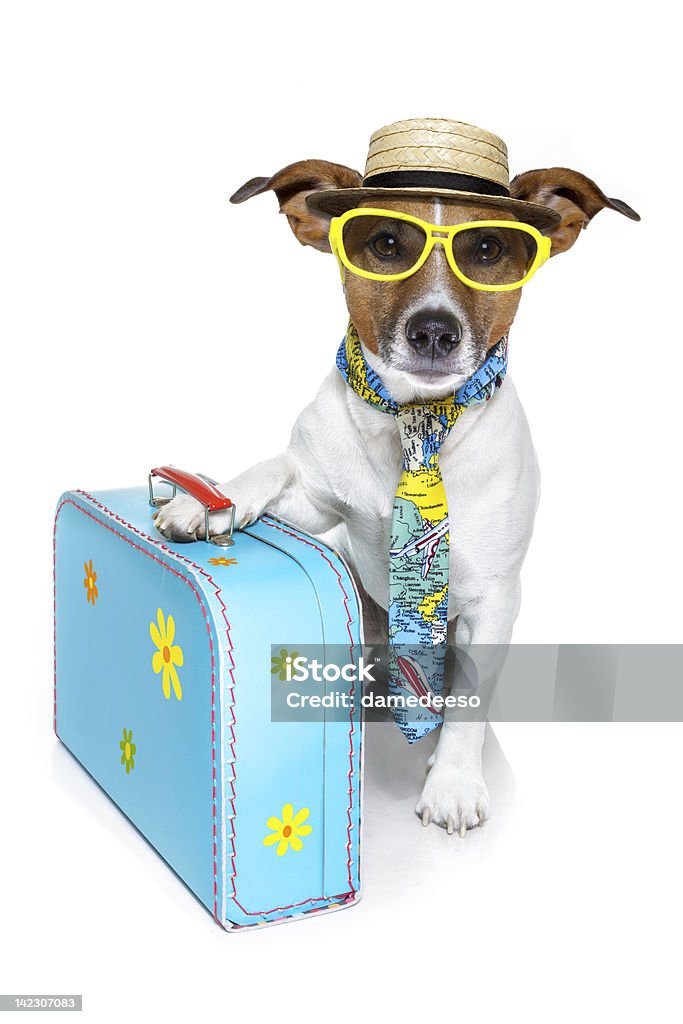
(420, 535)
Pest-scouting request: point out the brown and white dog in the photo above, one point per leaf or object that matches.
(425, 336)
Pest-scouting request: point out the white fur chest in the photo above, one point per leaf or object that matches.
(489, 470)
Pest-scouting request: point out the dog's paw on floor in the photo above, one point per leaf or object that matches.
(454, 797)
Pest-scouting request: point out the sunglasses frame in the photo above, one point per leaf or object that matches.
(435, 233)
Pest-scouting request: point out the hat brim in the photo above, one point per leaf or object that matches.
(336, 201)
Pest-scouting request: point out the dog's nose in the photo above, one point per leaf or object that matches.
(433, 333)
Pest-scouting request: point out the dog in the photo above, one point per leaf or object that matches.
(424, 335)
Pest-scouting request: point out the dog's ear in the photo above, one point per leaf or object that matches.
(574, 196)
(291, 185)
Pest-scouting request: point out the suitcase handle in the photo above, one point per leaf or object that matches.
(203, 490)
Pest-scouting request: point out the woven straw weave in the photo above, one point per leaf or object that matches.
(436, 144)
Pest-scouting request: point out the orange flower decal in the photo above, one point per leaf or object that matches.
(222, 561)
(90, 583)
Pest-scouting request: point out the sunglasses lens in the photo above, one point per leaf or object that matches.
(494, 256)
(382, 245)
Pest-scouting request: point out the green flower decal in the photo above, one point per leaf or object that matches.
(280, 664)
(128, 750)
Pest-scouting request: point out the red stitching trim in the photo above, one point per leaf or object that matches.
(343, 899)
(352, 691)
(174, 554)
(54, 624)
(290, 906)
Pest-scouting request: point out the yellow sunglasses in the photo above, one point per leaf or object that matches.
(387, 245)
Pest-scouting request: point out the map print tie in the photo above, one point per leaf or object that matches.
(420, 536)
(418, 564)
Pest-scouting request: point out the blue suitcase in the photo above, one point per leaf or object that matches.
(163, 692)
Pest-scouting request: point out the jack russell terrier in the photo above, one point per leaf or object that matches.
(434, 243)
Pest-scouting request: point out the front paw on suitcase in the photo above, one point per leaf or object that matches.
(183, 520)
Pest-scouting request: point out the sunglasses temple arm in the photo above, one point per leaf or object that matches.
(340, 264)
(335, 248)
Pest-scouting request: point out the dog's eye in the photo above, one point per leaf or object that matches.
(385, 246)
(489, 249)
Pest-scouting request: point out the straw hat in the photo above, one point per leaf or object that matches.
(433, 156)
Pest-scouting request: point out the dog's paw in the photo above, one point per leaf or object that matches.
(249, 494)
(183, 519)
(454, 797)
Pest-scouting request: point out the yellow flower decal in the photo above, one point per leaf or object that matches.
(90, 583)
(280, 664)
(168, 656)
(288, 832)
(223, 561)
(128, 750)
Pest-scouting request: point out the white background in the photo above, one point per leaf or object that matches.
(146, 320)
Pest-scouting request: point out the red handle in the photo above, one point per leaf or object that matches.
(196, 486)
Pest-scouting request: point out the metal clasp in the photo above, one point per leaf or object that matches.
(157, 502)
(221, 540)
